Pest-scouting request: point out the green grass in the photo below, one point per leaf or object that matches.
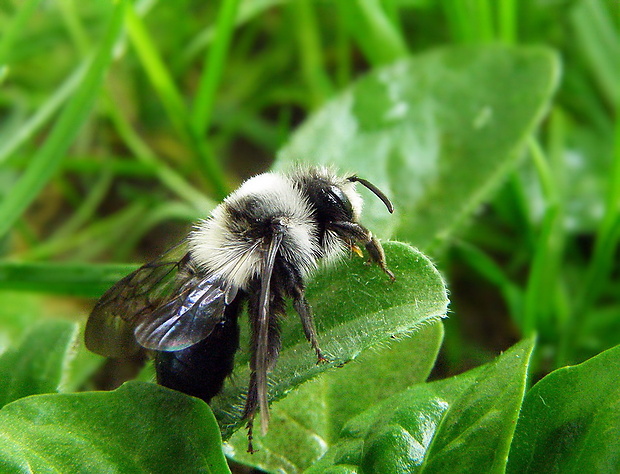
(123, 122)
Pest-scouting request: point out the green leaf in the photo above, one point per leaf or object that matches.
(18, 312)
(380, 373)
(82, 371)
(332, 399)
(140, 427)
(356, 307)
(461, 424)
(436, 132)
(38, 364)
(570, 420)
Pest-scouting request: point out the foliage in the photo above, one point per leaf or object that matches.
(87, 432)
(123, 122)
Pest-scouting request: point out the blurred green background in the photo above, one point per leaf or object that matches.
(119, 127)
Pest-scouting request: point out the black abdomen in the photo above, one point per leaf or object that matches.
(200, 370)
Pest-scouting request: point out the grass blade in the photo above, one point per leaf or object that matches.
(16, 26)
(45, 112)
(78, 279)
(377, 37)
(172, 100)
(47, 161)
(214, 66)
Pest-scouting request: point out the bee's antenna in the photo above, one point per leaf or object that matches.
(375, 190)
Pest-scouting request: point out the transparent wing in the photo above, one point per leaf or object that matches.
(188, 317)
(163, 305)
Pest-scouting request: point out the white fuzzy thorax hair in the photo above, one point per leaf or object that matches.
(219, 247)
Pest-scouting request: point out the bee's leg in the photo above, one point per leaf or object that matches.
(307, 320)
(295, 289)
(256, 390)
(251, 401)
(377, 255)
(354, 231)
(251, 404)
(251, 436)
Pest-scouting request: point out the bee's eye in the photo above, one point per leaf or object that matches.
(340, 203)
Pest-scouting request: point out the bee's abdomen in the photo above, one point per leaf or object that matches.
(200, 370)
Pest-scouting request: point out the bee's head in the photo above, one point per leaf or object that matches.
(335, 199)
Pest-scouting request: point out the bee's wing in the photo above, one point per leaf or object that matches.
(163, 305)
(110, 326)
(188, 317)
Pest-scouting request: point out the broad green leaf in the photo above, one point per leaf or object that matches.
(570, 420)
(55, 361)
(436, 132)
(461, 424)
(380, 373)
(38, 364)
(140, 427)
(313, 415)
(356, 307)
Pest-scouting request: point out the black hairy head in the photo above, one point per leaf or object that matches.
(328, 200)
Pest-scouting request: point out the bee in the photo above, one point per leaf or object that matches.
(257, 248)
